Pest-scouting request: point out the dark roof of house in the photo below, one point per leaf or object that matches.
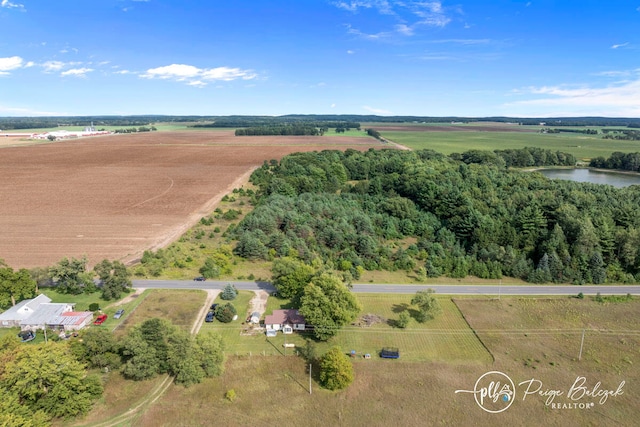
(283, 317)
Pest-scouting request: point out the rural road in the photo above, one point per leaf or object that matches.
(410, 289)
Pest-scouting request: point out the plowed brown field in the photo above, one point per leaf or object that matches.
(115, 196)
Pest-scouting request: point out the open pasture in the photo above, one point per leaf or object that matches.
(116, 196)
(529, 338)
(457, 138)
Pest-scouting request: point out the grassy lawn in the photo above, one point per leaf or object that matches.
(446, 338)
(180, 307)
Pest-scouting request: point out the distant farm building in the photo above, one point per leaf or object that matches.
(65, 134)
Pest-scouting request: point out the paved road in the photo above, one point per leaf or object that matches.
(410, 289)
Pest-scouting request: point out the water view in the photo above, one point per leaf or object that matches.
(619, 180)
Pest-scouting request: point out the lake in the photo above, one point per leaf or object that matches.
(619, 180)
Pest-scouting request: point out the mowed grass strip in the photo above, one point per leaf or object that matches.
(447, 337)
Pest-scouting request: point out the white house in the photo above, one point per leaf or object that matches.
(22, 310)
(286, 321)
(40, 313)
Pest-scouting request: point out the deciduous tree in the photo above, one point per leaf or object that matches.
(336, 370)
(15, 286)
(428, 305)
(328, 304)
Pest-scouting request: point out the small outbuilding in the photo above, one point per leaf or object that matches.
(254, 318)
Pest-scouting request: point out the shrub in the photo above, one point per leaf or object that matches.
(403, 319)
(94, 306)
(225, 313)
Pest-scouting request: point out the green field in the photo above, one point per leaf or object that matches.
(582, 146)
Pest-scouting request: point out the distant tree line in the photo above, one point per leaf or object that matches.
(516, 158)
(622, 134)
(618, 160)
(433, 215)
(248, 121)
(570, 130)
(9, 123)
(136, 130)
(294, 129)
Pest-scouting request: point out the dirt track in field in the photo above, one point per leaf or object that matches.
(113, 197)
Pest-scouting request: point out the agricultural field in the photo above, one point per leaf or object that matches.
(116, 196)
(529, 339)
(457, 138)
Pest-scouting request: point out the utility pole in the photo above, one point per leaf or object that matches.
(309, 378)
(581, 344)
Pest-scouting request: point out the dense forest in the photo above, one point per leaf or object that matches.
(433, 215)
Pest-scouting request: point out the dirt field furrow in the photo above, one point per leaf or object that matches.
(113, 197)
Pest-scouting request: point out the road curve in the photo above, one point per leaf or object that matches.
(521, 290)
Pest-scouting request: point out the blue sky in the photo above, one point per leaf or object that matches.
(274, 57)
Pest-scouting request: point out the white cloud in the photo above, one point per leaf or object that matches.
(333, 105)
(51, 66)
(377, 111)
(195, 76)
(404, 29)
(420, 13)
(383, 6)
(77, 72)
(619, 99)
(616, 46)
(7, 4)
(10, 63)
(430, 13)
(350, 52)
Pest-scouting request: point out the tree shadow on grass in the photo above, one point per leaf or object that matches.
(399, 308)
